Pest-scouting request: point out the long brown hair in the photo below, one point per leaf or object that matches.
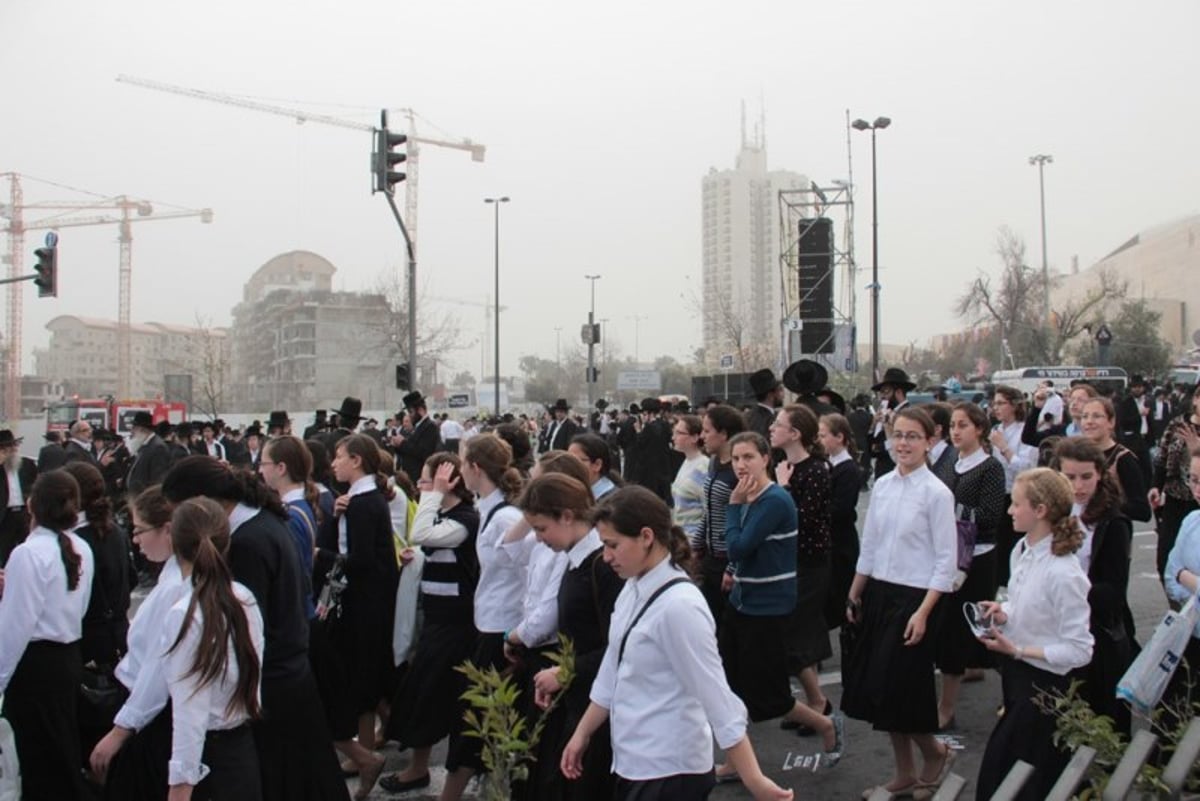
(632, 508)
(200, 533)
(294, 455)
(494, 457)
(203, 475)
(93, 497)
(804, 420)
(54, 504)
(839, 426)
(1108, 497)
(369, 455)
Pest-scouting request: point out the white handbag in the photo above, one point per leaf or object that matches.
(1146, 680)
(10, 770)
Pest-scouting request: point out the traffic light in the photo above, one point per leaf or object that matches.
(403, 381)
(47, 272)
(385, 157)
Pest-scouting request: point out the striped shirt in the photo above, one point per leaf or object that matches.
(718, 486)
(688, 494)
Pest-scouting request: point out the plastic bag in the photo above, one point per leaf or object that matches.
(404, 632)
(1146, 680)
(10, 770)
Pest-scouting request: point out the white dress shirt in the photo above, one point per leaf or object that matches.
(360, 487)
(839, 457)
(1052, 408)
(1084, 554)
(668, 697)
(36, 605)
(1047, 607)
(15, 499)
(429, 531)
(501, 588)
(141, 669)
(910, 536)
(539, 607)
(197, 710)
(1022, 456)
(582, 549)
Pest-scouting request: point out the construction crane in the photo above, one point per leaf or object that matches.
(128, 211)
(300, 117)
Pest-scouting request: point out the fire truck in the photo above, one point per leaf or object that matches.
(115, 415)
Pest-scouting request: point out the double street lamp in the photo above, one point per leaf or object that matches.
(496, 201)
(862, 125)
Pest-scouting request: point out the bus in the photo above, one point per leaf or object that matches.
(1028, 379)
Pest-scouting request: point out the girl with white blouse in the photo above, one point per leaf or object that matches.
(131, 759)
(661, 685)
(1008, 408)
(46, 587)
(1043, 629)
(908, 561)
(212, 651)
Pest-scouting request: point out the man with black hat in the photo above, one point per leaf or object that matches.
(420, 443)
(808, 379)
(253, 442)
(768, 394)
(151, 459)
(562, 429)
(318, 425)
(178, 445)
(52, 455)
(278, 423)
(627, 432)
(893, 396)
(1133, 423)
(19, 474)
(654, 451)
(347, 419)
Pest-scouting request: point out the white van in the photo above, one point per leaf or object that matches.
(1028, 379)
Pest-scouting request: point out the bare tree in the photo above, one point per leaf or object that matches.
(438, 333)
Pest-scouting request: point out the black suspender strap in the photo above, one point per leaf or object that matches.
(642, 611)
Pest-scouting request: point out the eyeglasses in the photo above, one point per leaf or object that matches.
(265, 463)
(1094, 416)
(908, 436)
(137, 532)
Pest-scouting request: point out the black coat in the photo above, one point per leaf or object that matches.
(27, 473)
(423, 442)
(654, 458)
(149, 466)
(565, 432)
(51, 457)
(759, 418)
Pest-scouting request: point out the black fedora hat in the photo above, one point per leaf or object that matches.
(561, 405)
(601, 404)
(164, 428)
(763, 381)
(635, 409)
(651, 405)
(7, 440)
(412, 400)
(278, 419)
(895, 377)
(351, 409)
(805, 377)
(835, 399)
(142, 419)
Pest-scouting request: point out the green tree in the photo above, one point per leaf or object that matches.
(1137, 347)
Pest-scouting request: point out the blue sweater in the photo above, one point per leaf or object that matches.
(761, 539)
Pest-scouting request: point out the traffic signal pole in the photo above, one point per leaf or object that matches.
(385, 180)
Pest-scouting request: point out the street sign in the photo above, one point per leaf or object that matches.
(51, 239)
(727, 361)
(647, 380)
(1104, 334)
(793, 324)
(459, 400)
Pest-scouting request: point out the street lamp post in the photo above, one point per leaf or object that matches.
(862, 125)
(1041, 160)
(591, 339)
(496, 201)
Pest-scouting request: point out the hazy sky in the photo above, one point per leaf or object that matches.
(599, 121)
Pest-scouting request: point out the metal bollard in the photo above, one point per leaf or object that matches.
(1185, 756)
(1126, 772)
(1073, 775)
(1011, 787)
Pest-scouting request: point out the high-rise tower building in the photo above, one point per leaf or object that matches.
(741, 294)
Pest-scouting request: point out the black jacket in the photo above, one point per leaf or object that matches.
(51, 457)
(418, 446)
(149, 466)
(27, 473)
(563, 435)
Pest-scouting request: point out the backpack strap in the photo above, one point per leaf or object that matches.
(642, 611)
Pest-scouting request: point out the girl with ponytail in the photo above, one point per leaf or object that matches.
(1042, 629)
(360, 636)
(47, 583)
(292, 735)
(286, 467)
(661, 685)
(213, 644)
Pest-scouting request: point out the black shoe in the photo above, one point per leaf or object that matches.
(393, 784)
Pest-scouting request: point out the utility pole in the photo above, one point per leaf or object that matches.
(496, 201)
(862, 125)
(1041, 160)
(591, 343)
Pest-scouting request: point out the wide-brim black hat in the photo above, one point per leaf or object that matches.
(651, 405)
(278, 419)
(805, 377)
(164, 428)
(602, 404)
(635, 409)
(763, 381)
(895, 377)
(561, 405)
(835, 399)
(142, 420)
(253, 430)
(412, 400)
(7, 440)
(351, 409)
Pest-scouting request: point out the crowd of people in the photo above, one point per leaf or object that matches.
(699, 560)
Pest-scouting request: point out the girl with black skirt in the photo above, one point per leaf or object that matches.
(1042, 630)
(558, 508)
(977, 481)
(804, 473)
(1098, 422)
(360, 632)
(213, 644)
(295, 755)
(1105, 556)
(909, 557)
(131, 759)
(47, 584)
(427, 701)
(845, 477)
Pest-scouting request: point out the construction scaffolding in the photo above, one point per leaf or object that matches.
(804, 215)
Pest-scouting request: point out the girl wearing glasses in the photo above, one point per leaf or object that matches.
(1008, 408)
(908, 561)
(1098, 423)
(688, 489)
(1042, 628)
(131, 759)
